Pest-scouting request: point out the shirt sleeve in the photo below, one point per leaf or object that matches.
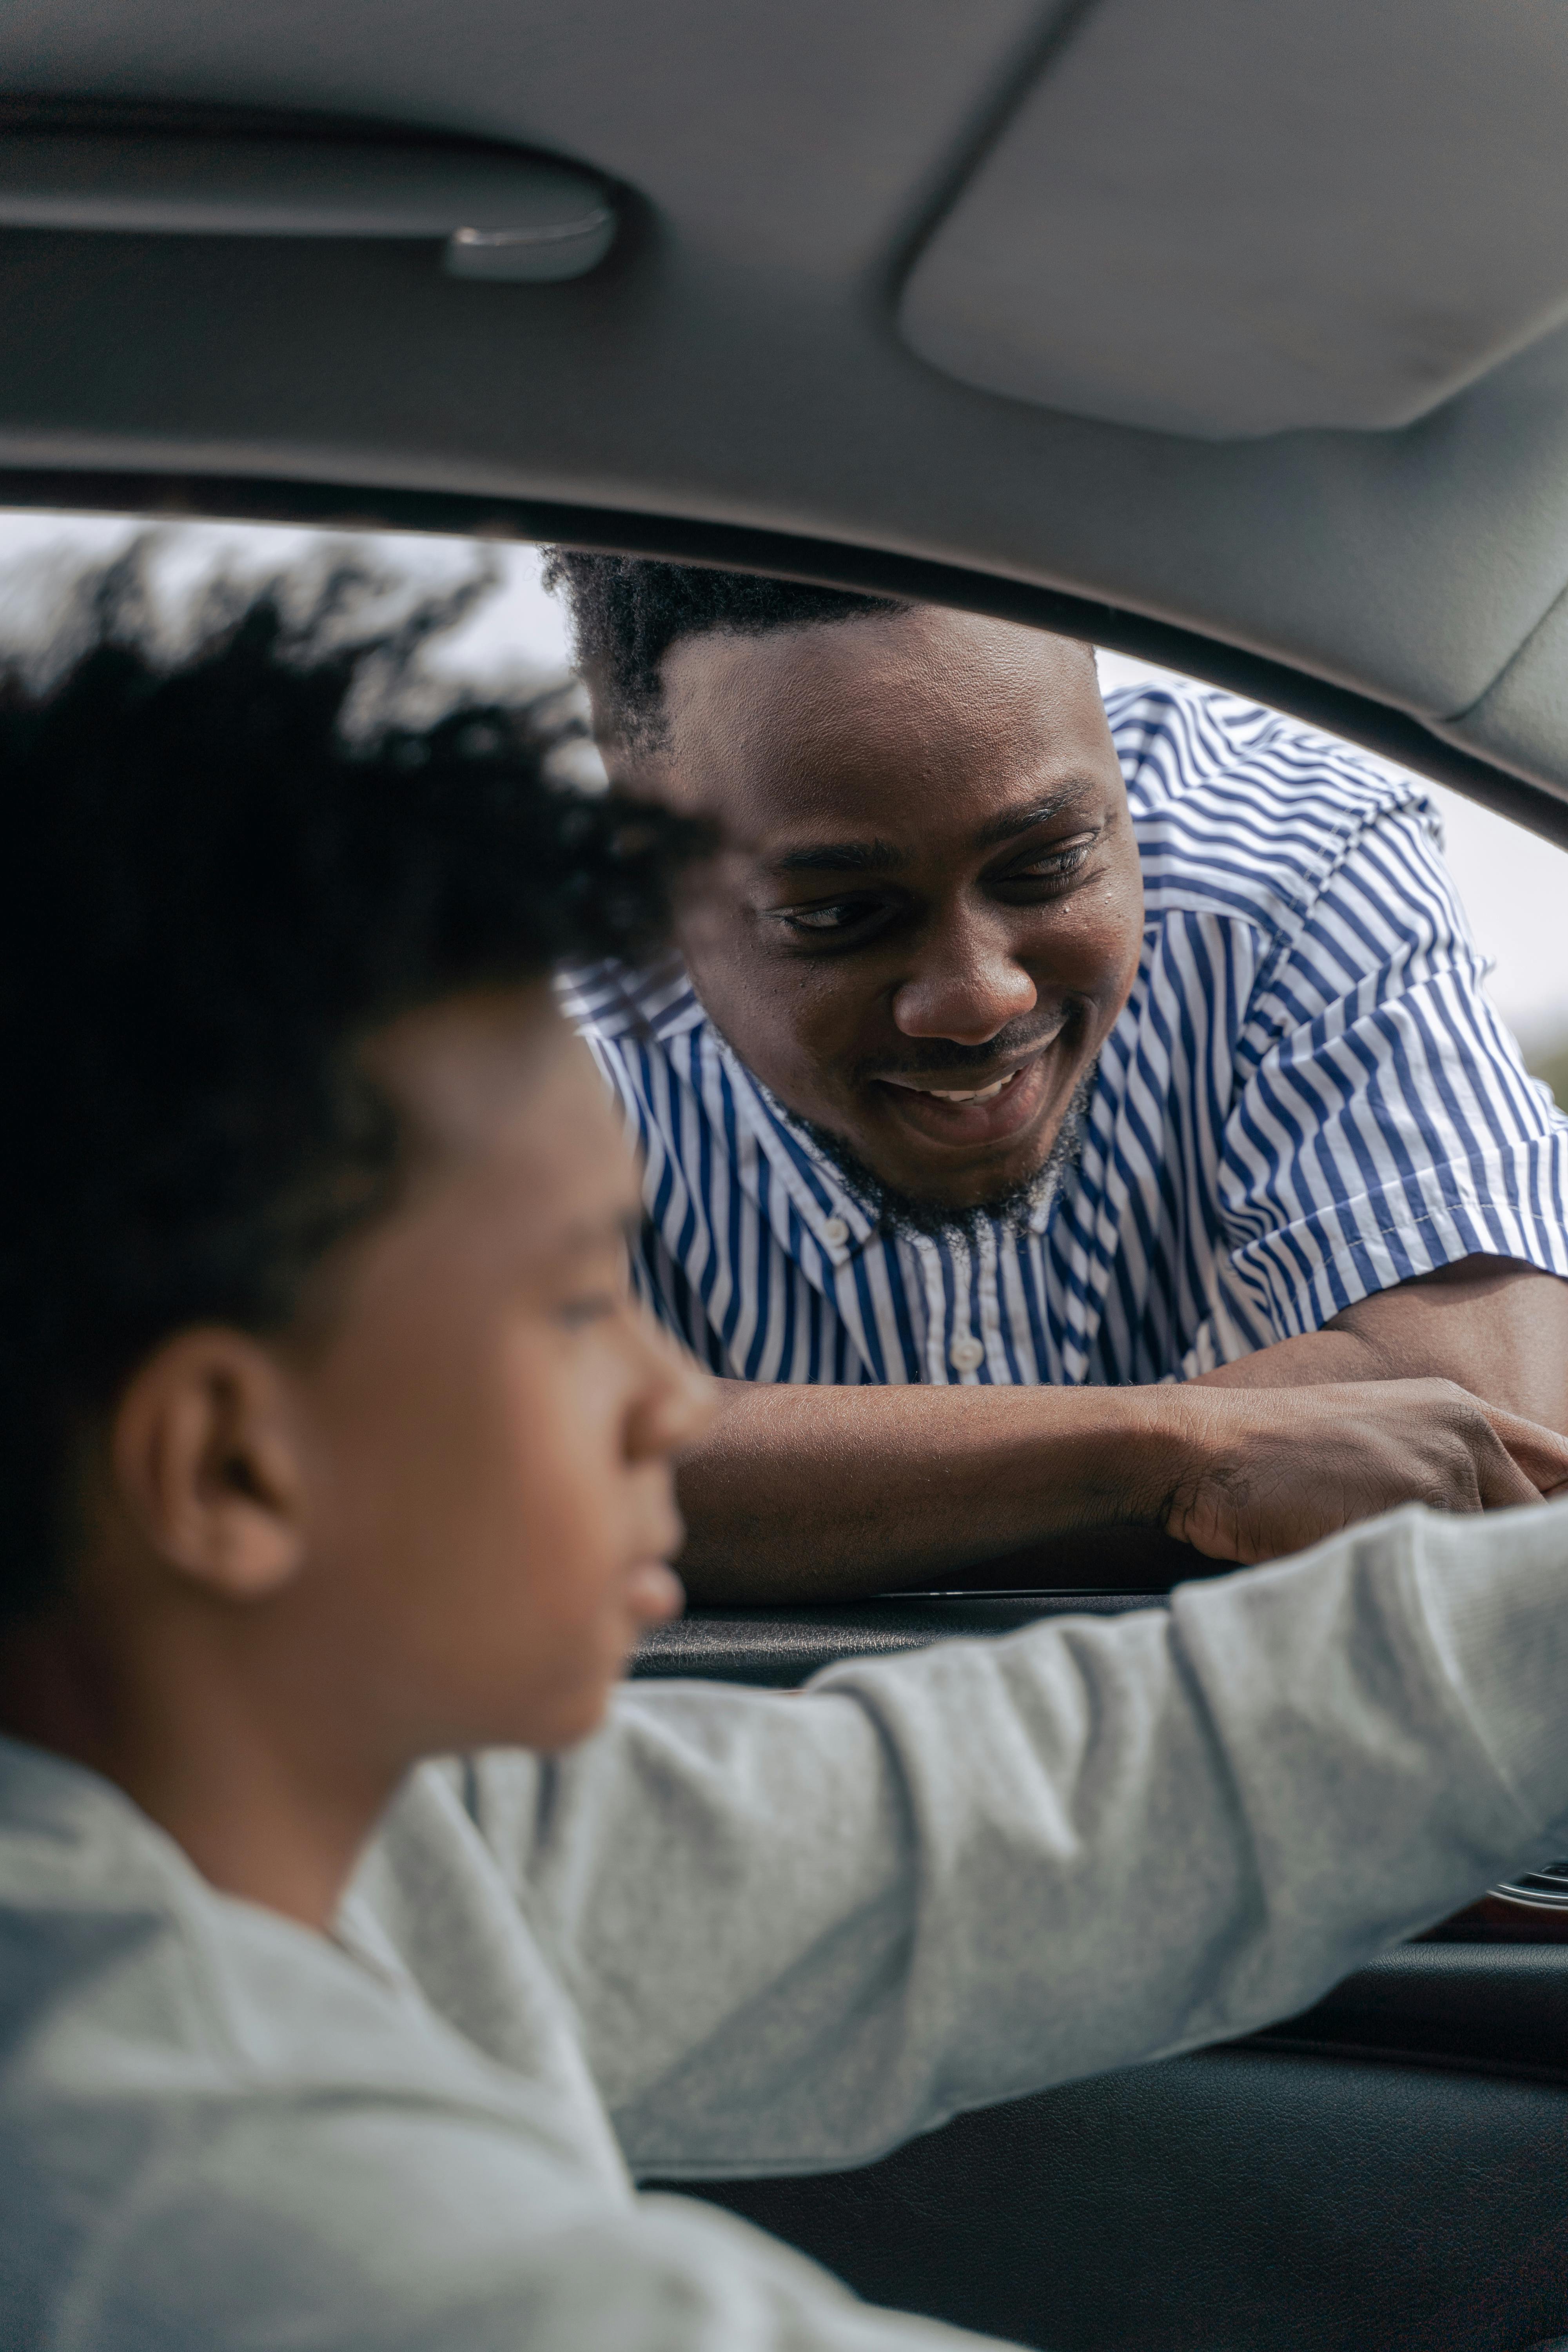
(1382, 1122)
(799, 1928)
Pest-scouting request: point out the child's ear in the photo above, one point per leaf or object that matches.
(206, 1463)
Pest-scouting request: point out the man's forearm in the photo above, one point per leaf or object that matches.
(1307, 1362)
(816, 1492)
(1498, 1328)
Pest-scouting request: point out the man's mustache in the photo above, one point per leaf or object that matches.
(946, 1054)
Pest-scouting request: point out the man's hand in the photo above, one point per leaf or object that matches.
(1265, 1472)
(814, 1494)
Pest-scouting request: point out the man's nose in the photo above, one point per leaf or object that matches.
(967, 984)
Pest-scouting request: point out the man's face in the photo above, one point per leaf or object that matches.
(926, 912)
(489, 1420)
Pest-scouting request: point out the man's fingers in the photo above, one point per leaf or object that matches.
(1541, 1454)
(1262, 1491)
(1501, 1485)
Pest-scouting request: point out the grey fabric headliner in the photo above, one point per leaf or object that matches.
(1221, 218)
(736, 357)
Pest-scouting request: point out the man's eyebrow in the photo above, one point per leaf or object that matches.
(1012, 822)
(885, 858)
(838, 857)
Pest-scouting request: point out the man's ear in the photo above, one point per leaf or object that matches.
(206, 1464)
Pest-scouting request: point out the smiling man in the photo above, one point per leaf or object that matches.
(1023, 1056)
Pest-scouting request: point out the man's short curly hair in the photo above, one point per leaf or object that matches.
(627, 611)
(213, 891)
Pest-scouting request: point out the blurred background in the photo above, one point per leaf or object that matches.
(1514, 885)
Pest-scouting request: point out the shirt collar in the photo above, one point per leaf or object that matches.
(836, 1219)
(665, 1003)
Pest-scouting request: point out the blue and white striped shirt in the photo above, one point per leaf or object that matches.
(1306, 1100)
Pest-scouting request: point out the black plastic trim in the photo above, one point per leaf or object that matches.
(1493, 2009)
(782, 1648)
(1243, 2198)
(1395, 734)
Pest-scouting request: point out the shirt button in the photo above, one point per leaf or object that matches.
(835, 1232)
(967, 1355)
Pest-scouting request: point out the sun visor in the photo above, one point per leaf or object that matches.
(1225, 218)
(1521, 721)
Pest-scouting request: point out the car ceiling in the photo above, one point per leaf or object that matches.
(1243, 320)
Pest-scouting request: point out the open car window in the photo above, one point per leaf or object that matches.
(1513, 884)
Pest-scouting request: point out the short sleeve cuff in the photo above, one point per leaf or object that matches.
(1509, 1203)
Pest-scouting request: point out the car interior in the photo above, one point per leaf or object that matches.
(1231, 338)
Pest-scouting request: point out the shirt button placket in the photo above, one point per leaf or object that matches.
(967, 1354)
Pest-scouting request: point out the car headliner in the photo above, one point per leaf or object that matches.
(741, 368)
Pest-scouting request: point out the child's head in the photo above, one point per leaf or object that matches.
(320, 1388)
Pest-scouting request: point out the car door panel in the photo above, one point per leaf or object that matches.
(1245, 2198)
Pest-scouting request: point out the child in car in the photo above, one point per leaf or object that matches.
(362, 1943)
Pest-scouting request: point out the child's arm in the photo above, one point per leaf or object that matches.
(799, 1928)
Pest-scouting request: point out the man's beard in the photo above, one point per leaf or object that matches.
(908, 1215)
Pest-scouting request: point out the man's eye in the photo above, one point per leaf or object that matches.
(819, 922)
(1053, 864)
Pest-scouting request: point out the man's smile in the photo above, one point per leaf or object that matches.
(1000, 1106)
(945, 1094)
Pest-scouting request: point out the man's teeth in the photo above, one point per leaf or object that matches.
(983, 1093)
